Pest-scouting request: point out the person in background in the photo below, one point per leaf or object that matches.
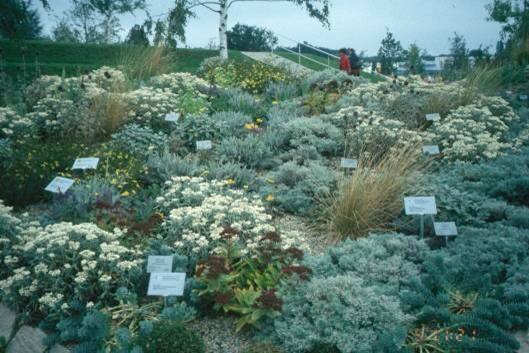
(344, 61)
(355, 63)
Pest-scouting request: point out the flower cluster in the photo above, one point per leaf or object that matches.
(471, 133)
(54, 267)
(199, 211)
(13, 125)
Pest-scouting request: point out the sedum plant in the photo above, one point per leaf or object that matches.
(247, 285)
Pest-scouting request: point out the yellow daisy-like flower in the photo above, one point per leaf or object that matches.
(125, 193)
(230, 181)
(259, 120)
(269, 198)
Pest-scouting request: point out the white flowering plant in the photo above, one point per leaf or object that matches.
(198, 212)
(14, 125)
(64, 118)
(471, 133)
(51, 268)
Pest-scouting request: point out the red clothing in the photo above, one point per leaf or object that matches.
(345, 65)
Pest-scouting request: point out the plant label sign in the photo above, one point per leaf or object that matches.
(204, 145)
(349, 163)
(420, 205)
(59, 185)
(433, 117)
(86, 163)
(172, 116)
(159, 264)
(167, 283)
(430, 150)
(445, 229)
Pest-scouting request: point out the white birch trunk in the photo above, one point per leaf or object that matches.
(223, 28)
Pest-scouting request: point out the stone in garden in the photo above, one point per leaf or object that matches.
(433, 117)
(445, 229)
(27, 340)
(159, 264)
(166, 284)
(349, 163)
(59, 185)
(30, 340)
(431, 150)
(7, 321)
(86, 163)
(420, 205)
(172, 116)
(204, 145)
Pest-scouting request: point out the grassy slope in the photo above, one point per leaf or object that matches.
(54, 57)
(317, 67)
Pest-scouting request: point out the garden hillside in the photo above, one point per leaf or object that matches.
(245, 209)
(52, 58)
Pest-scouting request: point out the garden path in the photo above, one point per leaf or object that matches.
(278, 61)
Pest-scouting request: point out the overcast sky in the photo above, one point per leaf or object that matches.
(354, 23)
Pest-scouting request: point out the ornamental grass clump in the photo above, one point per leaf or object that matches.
(372, 196)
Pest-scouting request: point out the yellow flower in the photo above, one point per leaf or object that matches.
(230, 181)
(274, 102)
(269, 198)
(259, 120)
(125, 193)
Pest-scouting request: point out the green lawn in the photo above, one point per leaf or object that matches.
(54, 57)
(317, 67)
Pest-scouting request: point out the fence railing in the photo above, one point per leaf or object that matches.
(307, 45)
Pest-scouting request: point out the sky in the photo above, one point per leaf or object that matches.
(360, 24)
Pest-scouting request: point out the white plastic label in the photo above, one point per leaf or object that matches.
(59, 185)
(159, 264)
(86, 163)
(204, 145)
(172, 116)
(349, 163)
(433, 117)
(431, 150)
(445, 229)
(420, 205)
(166, 284)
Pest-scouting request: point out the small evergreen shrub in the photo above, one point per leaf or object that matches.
(164, 165)
(262, 347)
(139, 141)
(341, 311)
(294, 188)
(250, 151)
(171, 337)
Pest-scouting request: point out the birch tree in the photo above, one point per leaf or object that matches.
(319, 9)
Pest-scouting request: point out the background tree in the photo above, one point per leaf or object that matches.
(176, 24)
(318, 9)
(64, 32)
(159, 33)
(414, 59)
(84, 20)
(459, 53)
(18, 20)
(390, 52)
(137, 36)
(513, 15)
(107, 11)
(250, 38)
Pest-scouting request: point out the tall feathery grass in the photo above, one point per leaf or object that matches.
(369, 199)
(140, 63)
